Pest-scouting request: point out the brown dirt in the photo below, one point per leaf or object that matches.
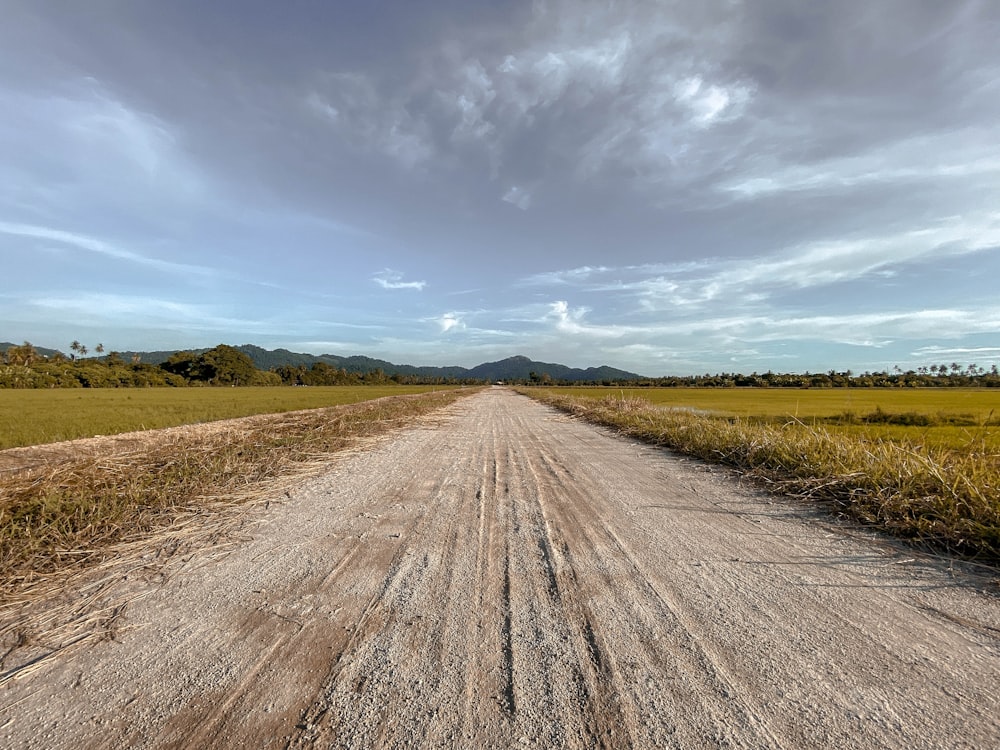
(510, 577)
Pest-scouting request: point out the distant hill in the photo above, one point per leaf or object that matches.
(268, 359)
(512, 368)
(520, 368)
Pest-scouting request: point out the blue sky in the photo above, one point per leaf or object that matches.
(665, 187)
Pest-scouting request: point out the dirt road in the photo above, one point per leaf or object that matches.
(507, 577)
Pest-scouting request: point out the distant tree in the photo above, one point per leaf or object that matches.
(99, 348)
(21, 355)
(179, 363)
(75, 348)
(375, 377)
(225, 365)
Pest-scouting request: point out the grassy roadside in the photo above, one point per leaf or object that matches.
(945, 497)
(68, 514)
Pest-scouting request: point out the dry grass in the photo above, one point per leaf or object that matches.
(108, 515)
(947, 498)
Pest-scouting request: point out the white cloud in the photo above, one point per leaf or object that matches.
(449, 321)
(108, 125)
(588, 81)
(571, 321)
(123, 311)
(389, 279)
(820, 263)
(91, 244)
(472, 93)
(953, 156)
(79, 141)
(568, 276)
(934, 352)
(707, 103)
(576, 68)
(519, 197)
(318, 104)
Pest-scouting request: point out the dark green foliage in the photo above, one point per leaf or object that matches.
(25, 367)
(224, 365)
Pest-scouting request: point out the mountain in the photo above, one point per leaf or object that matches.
(512, 368)
(267, 359)
(520, 368)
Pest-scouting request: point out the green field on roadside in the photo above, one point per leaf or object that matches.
(954, 416)
(935, 482)
(32, 417)
(980, 403)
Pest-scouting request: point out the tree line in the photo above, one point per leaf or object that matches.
(951, 375)
(24, 367)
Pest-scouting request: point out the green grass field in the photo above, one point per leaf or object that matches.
(32, 417)
(955, 416)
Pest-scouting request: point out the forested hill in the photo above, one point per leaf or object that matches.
(266, 359)
(513, 368)
(521, 368)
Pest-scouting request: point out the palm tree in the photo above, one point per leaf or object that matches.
(75, 348)
(21, 355)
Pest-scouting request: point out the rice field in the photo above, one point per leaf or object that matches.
(938, 417)
(33, 417)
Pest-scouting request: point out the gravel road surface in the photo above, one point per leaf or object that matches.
(503, 576)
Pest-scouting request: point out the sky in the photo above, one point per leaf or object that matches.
(664, 187)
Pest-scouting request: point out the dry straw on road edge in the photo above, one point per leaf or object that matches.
(123, 512)
(949, 499)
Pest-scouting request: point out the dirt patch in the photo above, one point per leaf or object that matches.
(509, 577)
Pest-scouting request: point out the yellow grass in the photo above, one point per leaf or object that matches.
(945, 497)
(954, 417)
